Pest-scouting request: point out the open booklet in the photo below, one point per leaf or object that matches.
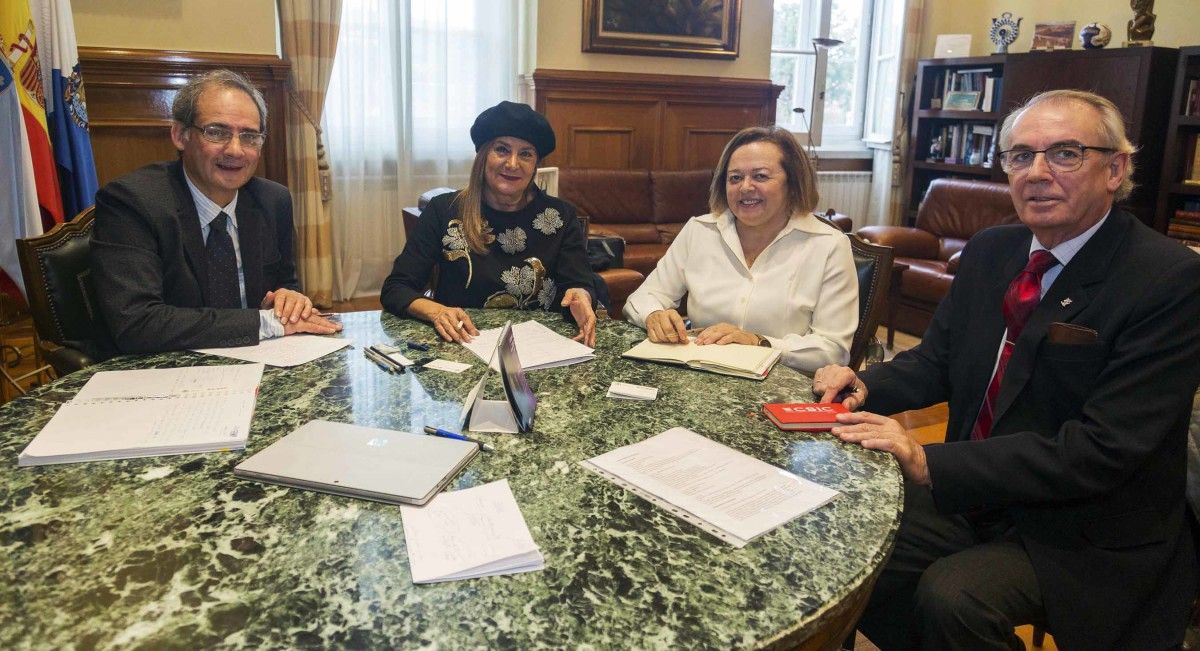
(150, 412)
(739, 360)
(469, 533)
(537, 346)
(733, 496)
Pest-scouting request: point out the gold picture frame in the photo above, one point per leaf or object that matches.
(694, 28)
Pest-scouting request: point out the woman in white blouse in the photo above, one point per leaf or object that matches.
(760, 269)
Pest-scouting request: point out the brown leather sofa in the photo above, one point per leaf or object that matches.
(645, 208)
(952, 211)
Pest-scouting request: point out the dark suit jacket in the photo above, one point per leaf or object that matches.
(149, 266)
(1088, 443)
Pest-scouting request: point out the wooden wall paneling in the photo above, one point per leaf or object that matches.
(602, 132)
(647, 121)
(129, 95)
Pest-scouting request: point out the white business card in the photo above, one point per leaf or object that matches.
(447, 365)
(626, 391)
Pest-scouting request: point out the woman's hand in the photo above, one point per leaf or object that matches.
(580, 303)
(666, 327)
(451, 323)
(726, 333)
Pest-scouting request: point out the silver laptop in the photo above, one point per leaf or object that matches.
(365, 462)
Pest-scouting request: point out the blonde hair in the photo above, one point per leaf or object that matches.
(1111, 127)
(801, 175)
(468, 205)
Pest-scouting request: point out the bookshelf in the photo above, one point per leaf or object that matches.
(1137, 80)
(949, 141)
(1179, 201)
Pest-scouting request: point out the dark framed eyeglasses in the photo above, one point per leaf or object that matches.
(1060, 158)
(221, 135)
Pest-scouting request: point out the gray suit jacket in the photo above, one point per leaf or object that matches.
(1087, 449)
(149, 267)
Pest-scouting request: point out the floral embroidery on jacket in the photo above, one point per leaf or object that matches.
(522, 286)
(512, 240)
(455, 243)
(546, 296)
(548, 221)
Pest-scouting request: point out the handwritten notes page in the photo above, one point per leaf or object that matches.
(292, 350)
(537, 347)
(469, 533)
(735, 497)
(151, 412)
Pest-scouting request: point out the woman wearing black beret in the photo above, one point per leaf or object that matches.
(500, 242)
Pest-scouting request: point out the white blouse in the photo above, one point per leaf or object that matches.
(801, 294)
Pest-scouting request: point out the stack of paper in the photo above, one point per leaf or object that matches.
(537, 347)
(292, 350)
(469, 533)
(739, 360)
(125, 414)
(735, 497)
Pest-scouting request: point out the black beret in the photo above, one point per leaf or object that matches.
(516, 120)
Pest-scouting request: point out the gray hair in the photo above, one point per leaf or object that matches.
(183, 109)
(1111, 127)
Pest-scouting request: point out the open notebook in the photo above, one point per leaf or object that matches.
(150, 412)
(739, 360)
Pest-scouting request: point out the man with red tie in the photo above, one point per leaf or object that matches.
(1068, 352)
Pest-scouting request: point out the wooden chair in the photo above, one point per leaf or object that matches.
(874, 265)
(62, 298)
(14, 332)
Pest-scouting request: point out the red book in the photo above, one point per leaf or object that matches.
(804, 416)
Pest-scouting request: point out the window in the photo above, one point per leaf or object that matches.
(858, 76)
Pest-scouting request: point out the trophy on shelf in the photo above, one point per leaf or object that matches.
(1004, 31)
(935, 150)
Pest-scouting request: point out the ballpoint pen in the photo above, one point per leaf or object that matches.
(383, 357)
(416, 345)
(437, 431)
(378, 362)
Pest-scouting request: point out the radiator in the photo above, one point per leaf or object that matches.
(846, 192)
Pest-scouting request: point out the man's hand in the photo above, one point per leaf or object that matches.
(580, 303)
(876, 432)
(314, 324)
(666, 327)
(833, 380)
(290, 306)
(726, 333)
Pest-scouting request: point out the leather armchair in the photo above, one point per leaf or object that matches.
(952, 211)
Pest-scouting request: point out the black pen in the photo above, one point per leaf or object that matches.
(416, 345)
(369, 354)
(380, 355)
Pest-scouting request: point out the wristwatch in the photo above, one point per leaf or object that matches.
(763, 341)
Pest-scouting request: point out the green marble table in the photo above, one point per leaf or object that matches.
(174, 552)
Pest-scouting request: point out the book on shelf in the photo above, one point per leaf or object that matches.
(738, 360)
(1192, 108)
(1187, 217)
(1191, 158)
(804, 416)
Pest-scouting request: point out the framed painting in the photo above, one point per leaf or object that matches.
(676, 28)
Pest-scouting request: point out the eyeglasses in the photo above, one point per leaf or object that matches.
(221, 135)
(1060, 158)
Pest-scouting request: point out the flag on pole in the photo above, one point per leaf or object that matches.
(19, 214)
(66, 107)
(18, 42)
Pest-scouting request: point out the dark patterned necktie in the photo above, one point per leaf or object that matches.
(1022, 297)
(223, 287)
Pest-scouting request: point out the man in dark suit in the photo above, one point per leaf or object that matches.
(197, 252)
(1058, 496)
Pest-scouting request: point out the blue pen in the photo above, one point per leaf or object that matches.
(437, 431)
(416, 345)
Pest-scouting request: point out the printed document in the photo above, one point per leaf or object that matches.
(292, 350)
(735, 497)
(469, 533)
(537, 347)
(150, 412)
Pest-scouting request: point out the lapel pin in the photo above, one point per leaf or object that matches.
(1065, 302)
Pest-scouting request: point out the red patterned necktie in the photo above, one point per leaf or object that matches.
(1023, 295)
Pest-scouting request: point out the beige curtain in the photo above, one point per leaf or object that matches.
(309, 31)
(908, 70)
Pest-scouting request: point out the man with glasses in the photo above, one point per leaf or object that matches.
(197, 252)
(1068, 353)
